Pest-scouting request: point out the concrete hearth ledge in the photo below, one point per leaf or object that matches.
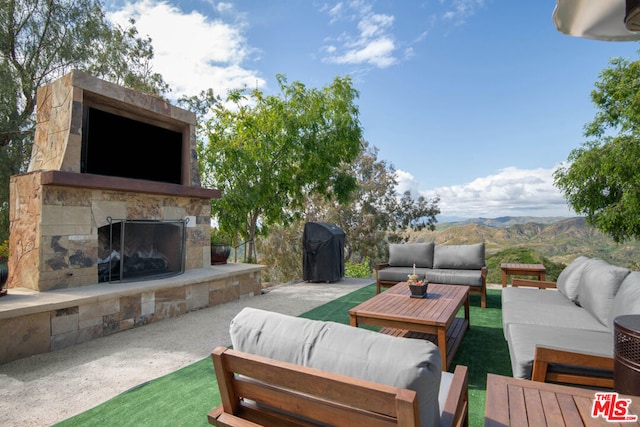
(22, 301)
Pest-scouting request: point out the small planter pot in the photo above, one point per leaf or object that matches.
(418, 291)
(220, 253)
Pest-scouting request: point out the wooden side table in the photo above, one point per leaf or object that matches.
(509, 269)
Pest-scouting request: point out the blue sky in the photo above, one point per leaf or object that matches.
(476, 101)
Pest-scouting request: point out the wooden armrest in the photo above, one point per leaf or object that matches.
(382, 265)
(218, 417)
(456, 407)
(545, 355)
(540, 284)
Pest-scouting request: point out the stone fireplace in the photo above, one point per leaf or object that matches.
(112, 192)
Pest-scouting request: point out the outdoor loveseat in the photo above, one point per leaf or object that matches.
(290, 370)
(563, 331)
(444, 264)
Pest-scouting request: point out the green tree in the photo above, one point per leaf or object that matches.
(42, 40)
(376, 214)
(602, 178)
(268, 152)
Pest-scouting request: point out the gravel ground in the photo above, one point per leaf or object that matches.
(44, 389)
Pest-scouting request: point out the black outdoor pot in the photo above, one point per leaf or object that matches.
(219, 253)
(4, 276)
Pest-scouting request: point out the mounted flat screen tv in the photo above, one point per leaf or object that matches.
(119, 146)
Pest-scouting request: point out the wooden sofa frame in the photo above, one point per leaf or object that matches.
(482, 290)
(546, 355)
(256, 390)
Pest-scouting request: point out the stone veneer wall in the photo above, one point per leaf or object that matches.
(91, 317)
(57, 143)
(55, 230)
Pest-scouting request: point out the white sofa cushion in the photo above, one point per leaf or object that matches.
(599, 284)
(342, 349)
(540, 311)
(526, 294)
(406, 254)
(523, 339)
(568, 282)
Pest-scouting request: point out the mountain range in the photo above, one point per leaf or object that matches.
(560, 239)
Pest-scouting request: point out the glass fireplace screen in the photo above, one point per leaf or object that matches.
(140, 249)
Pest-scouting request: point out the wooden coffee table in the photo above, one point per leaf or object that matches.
(432, 318)
(517, 402)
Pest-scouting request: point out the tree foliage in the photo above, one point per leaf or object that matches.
(377, 214)
(266, 153)
(374, 216)
(602, 178)
(39, 42)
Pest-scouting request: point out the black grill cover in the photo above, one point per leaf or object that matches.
(323, 252)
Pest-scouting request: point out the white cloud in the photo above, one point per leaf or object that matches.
(510, 192)
(192, 51)
(460, 10)
(407, 182)
(335, 12)
(373, 43)
(375, 52)
(374, 25)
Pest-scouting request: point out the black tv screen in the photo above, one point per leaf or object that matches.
(114, 145)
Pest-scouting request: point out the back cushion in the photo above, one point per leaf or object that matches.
(461, 257)
(406, 254)
(569, 279)
(599, 284)
(342, 349)
(627, 300)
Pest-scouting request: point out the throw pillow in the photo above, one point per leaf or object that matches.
(568, 282)
(627, 300)
(598, 287)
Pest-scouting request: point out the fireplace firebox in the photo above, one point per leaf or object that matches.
(140, 249)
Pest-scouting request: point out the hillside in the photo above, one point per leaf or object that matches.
(560, 240)
(501, 222)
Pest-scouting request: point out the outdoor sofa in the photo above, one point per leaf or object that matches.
(285, 368)
(445, 264)
(563, 331)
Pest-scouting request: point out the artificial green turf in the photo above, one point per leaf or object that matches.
(184, 397)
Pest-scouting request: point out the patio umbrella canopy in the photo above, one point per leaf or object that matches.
(608, 20)
(323, 252)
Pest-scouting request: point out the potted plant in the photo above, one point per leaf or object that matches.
(417, 287)
(4, 266)
(220, 247)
